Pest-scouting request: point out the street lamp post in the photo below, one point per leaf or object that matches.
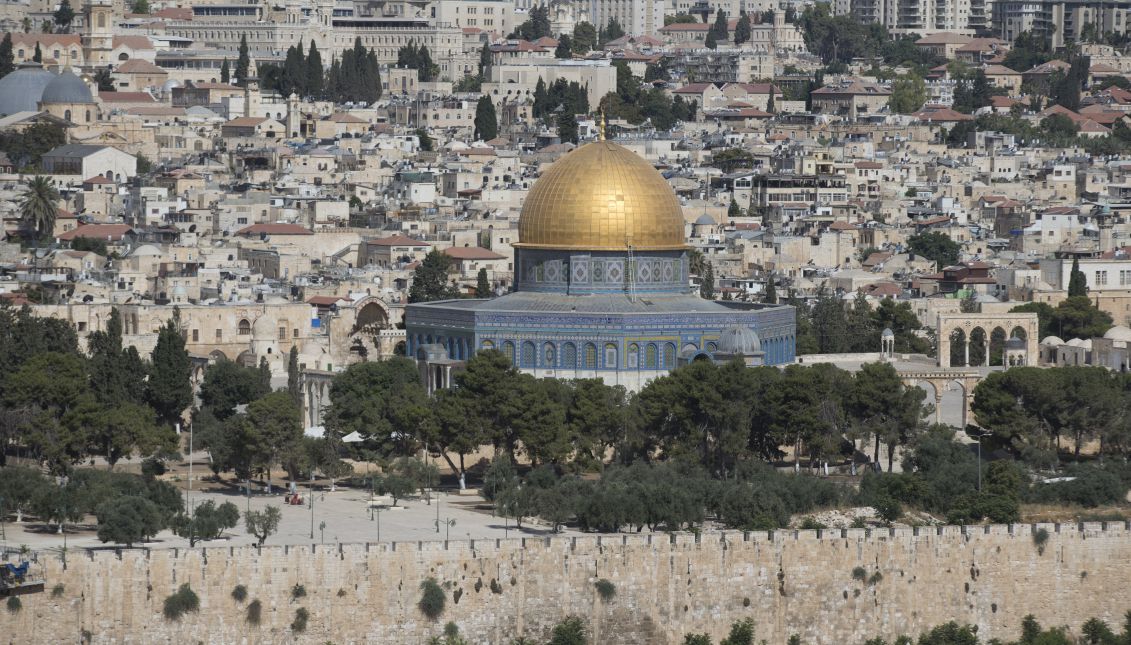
(312, 511)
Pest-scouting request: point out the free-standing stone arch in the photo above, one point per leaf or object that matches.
(948, 323)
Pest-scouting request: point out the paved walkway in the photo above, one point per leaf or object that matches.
(345, 514)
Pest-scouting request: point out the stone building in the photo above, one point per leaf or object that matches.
(602, 286)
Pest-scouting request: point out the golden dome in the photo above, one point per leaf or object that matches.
(601, 197)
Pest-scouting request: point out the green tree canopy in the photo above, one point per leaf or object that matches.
(935, 246)
(430, 279)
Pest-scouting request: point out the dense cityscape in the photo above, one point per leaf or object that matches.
(619, 321)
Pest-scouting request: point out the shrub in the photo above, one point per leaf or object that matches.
(888, 508)
(860, 574)
(876, 578)
(431, 599)
(239, 593)
(298, 625)
(180, 602)
(341, 593)
(496, 587)
(741, 633)
(810, 523)
(605, 589)
(298, 591)
(1092, 486)
(697, 639)
(57, 590)
(14, 604)
(570, 631)
(1041, 538)
(254, 612)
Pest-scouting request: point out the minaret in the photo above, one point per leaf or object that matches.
(98, 39)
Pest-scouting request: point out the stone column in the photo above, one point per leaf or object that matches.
(966, 349)
(938, 403)
(987, 363)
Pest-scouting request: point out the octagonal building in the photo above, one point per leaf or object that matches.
(601, 286)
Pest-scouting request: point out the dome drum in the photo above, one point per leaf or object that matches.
(593, 272)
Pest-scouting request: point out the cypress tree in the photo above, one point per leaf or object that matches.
(7, 58)
(264, 375)
(486, 122)
(719, 31)
(1077, 283)
(539, 98)
(424, 68)
(225, 72)
(38, 55)
(243, 63)
(314, 72)
(482, 285)
(169, 389)
(707, 283)
(294, 378)
(742, 29)
(484, 60)
(567, 127)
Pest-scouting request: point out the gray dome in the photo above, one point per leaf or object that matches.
(888, 333)
(67, 88)
(738, 341)
(1014, 343)
(705, 219)
(21, 89)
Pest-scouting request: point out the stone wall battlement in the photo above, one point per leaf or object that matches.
(790, 582)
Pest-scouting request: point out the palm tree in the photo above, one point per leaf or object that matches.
(38, 208)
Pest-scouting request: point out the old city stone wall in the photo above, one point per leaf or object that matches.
(788, 582)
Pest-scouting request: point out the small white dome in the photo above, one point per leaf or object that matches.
(1075, 342)
(1119, 332)
(1052, 341)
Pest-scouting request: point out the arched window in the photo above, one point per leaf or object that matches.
(590, 356)
(67, 115)
(487, 345)
(528, 354)
(508, 349)
(569, 356)
(651, 357)
(548, 355)
(633, 356)
(669, 356)
(245, 327)
(711, 347)
(611, 356)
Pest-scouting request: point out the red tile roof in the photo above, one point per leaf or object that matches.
(112, 232)
(126, 97)
(471, 253)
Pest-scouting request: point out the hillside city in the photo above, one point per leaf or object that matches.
(278, 273)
